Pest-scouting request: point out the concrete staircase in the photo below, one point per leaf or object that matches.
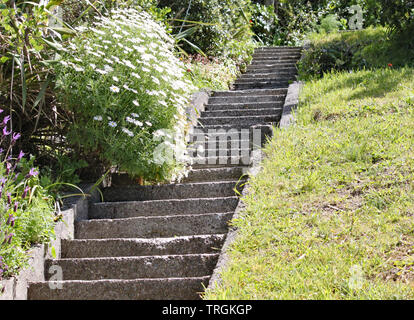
(164, 241)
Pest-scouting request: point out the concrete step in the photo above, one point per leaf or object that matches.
(130, 209)
(278, 104)
(238, 131)
(245, 99)
(242, 112)
(278, 49)
(274, 65)
(99, 248)
(224, 144)
(222, 161)
(136, 289)
(164, 266)
(268, 75)
(277, 55)
(273, 60)
(284, 78)
(255, 93)
(154, 227)
(240, 120)
(230, 134)
(170, 191)
(212, 174)
(261, 85)
(223, 152)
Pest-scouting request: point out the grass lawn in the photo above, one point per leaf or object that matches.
(331, 215)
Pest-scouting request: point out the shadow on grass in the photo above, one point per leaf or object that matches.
(376, 82)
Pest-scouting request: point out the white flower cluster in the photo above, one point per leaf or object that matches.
(133, 57)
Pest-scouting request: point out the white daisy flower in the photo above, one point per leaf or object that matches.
(112, 124)
(97, 118)
(114, 89)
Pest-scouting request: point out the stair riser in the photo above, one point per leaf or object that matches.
(158, 227)
(267, 76)
(275, 56)
(250, 121)
(141, 247)
(255, 93)
(260, 85)
(194, 153)
(178, 191)
(216, 174)
(246, 99)
(264, 61)
(278, 105)
(224, 144)
(243, 113)
(159, 208)
(209, 137)
(135, 267)
(143, 289)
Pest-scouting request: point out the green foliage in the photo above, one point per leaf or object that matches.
(125, 95)
(26, 213)
(264, 23)
(369, 48)
(226, 31)
(330, 23)
(213, 73)
(398, 14)
(28, 43)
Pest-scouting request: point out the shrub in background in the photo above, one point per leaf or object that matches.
(264, 23)
(211, 73)
(123, 85)
(226, 31)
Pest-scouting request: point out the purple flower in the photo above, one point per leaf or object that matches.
(10, 221)
(8, 238)
(16, 205)
(15, 137)
(3, 181)
(8, 167)
(9, 198)
(5, 132)
(32, 173)
(21, 155)
(1, 150)
(1, 110)
(5, 121)
(26, 190)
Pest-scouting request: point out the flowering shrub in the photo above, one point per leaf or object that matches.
(211, 73)
(26, 212)
(127, 92)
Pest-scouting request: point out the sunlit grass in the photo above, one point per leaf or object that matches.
(331, 214)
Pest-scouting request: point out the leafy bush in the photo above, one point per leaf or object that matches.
(26, 209)
(225, 31)
(369, 48)
(398, 14)
(330, 23)
(123, 84)
(211, 73)
(264, 22)
(26, 77)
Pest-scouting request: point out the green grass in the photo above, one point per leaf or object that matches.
(374, 45)
(330, 216)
